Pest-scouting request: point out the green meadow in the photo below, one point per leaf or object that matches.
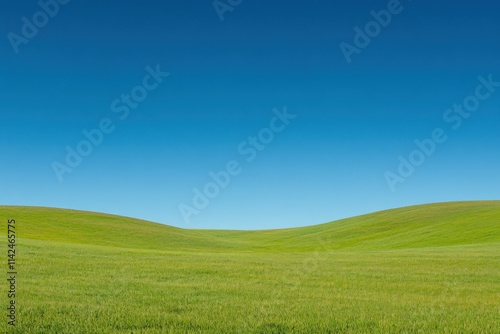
(422, 269)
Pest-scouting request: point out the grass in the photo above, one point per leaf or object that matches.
(422, 269)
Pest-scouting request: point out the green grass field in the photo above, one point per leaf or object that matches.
(423, 269)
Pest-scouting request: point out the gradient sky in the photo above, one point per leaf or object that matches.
(353, 120)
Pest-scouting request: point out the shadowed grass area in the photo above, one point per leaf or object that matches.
(423, 269)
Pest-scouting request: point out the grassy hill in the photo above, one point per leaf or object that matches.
(443, 224)
(427, 268)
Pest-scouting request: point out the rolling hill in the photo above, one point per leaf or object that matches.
(432, 225)
(430, 268)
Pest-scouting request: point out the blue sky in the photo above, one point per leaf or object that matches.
(353, 120)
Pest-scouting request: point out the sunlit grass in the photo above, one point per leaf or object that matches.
(413, 270)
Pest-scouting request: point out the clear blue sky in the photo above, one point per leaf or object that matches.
(353, 120)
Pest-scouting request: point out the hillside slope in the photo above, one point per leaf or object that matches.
(432, 225)
(422, 269)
